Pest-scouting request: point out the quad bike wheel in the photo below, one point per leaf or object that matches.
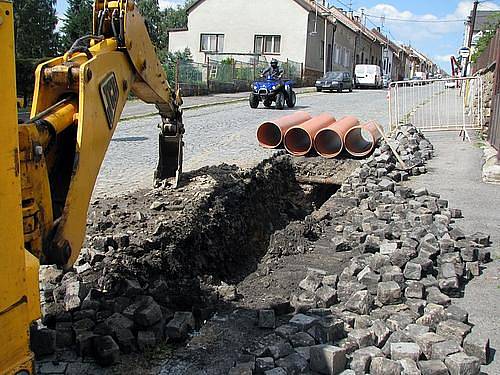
(291, 100)
(254, 101)
(268, 103)
(280, 100)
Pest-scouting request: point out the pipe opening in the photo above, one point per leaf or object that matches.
(269, 135)
(328, 143)
(297, 141)
(359, 141)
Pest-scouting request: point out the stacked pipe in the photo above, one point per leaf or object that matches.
(300, 133)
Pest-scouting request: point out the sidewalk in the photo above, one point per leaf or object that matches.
(136, 108)
(455, 174)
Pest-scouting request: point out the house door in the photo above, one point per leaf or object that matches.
(329, 58)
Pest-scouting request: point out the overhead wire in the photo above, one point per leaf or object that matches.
(410, 20)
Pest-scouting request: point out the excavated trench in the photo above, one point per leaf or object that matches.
(186, 250)
(217, 227)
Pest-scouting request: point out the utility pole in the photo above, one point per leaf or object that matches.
(471, 34)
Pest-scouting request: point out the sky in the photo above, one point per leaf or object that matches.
(438, 40)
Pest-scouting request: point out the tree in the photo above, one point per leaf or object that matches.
(34, 28)
(77, 22)
(155, 22)
(488, 33)
(176, 17)
(34, 32)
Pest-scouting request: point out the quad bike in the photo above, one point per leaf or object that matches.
(271, 90)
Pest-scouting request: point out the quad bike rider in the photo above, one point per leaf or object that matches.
(272, 89)
(273, 70)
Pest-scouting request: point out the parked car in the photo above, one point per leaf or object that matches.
(368, 76)
(418, 81)
(451, 84)
(271, 90)
(337, 81)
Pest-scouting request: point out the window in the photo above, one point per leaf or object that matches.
(267, 44)
(322, 50)
(212, 43)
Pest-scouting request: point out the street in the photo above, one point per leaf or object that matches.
(217, 134)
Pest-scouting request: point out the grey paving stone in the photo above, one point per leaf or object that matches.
(462, 364)
(328, 359)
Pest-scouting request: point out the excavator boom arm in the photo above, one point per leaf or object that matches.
(77, 103)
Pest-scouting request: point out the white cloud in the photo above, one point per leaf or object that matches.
(170, 3)
(60, 21)
(443, 58)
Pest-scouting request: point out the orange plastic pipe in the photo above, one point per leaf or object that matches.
(270, 134)
(329, 141)
(299, 139)
(361, 140)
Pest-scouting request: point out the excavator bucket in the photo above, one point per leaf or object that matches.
(171, 145)
(170, 158)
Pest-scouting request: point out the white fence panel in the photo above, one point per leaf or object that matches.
(437, 104)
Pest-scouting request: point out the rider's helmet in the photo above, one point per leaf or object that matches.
(274, 63)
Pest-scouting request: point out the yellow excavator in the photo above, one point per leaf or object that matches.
(49, 164)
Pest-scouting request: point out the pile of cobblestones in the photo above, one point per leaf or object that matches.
(390, 310)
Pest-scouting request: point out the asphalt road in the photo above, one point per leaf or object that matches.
(217, 134)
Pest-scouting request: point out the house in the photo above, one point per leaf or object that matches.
(393, 57)
(303, 31)
(369, 47)
(345, 41)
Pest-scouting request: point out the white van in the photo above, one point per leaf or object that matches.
(368, 76)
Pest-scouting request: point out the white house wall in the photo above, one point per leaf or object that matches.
(240, 21)
(315, 42)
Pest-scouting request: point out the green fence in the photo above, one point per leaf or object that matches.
(219, 75)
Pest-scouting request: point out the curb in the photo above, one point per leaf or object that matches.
(204, 105)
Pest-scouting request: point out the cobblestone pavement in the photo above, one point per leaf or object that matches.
(218, 134)
(136, 107)
(455, 173)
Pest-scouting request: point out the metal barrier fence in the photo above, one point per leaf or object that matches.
(437, 104)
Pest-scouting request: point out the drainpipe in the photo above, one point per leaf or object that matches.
(334, 24)
(325, 45)
(355, 53)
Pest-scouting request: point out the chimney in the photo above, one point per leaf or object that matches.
(350, 14)
(378, 28)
